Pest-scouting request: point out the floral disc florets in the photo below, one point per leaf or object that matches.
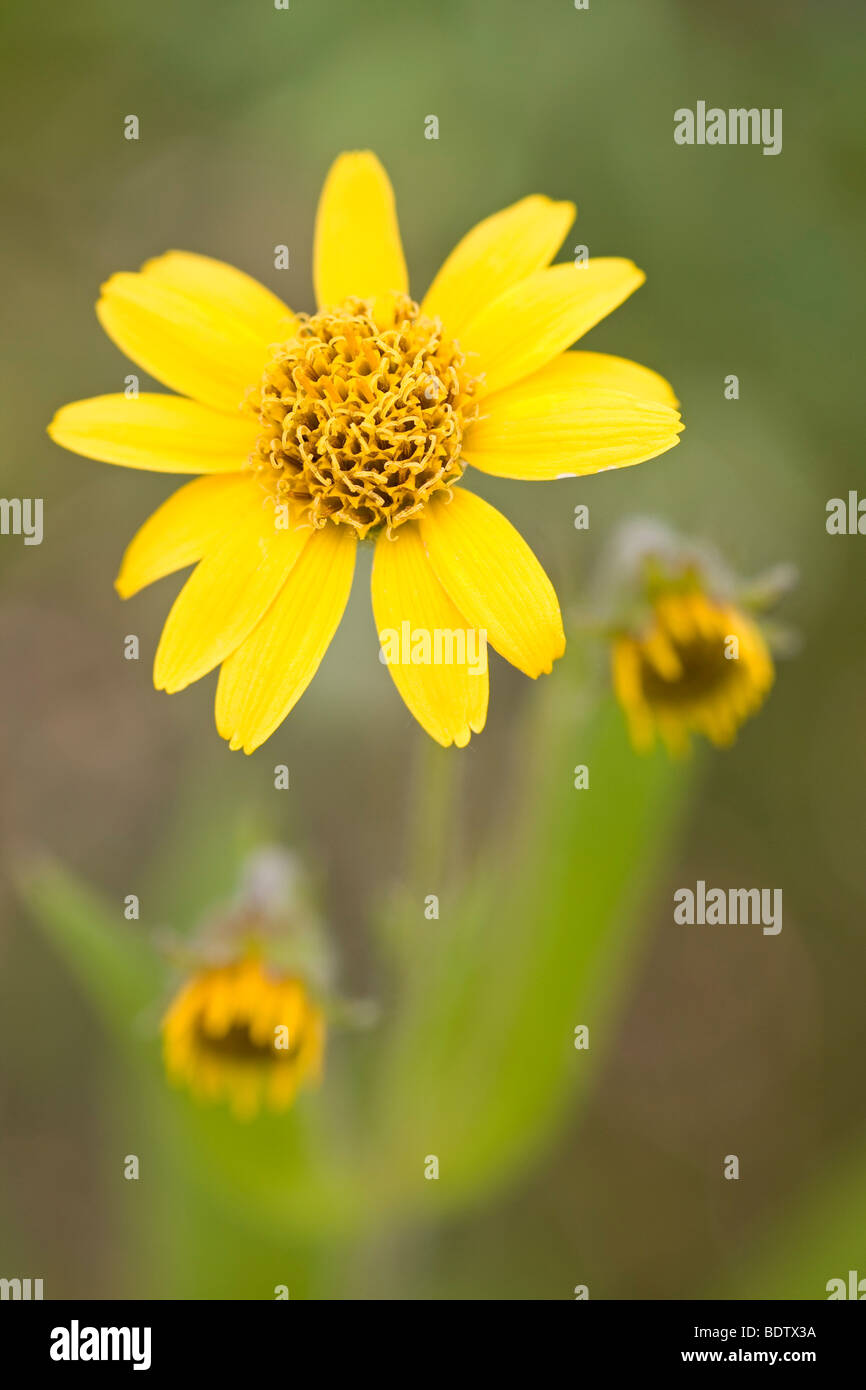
(362, 423)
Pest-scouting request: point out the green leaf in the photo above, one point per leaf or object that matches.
(481, 1065)
(117, 970)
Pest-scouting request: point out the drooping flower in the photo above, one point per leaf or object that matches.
(690, 656)
(314, 432)
(678, 677)
(245, 1033)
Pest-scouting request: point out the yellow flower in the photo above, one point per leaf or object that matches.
(697, 666)
(244, 1034)
(315, 431)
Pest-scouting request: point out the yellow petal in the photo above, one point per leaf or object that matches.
(494, 579)
(494, 255)
(581, 368)
(539, 317)
(546, 428)
(188, 524)
(193, 346)
(269, 673)
(357, 250)
(165, 434)
(219, 286)
(228, 592)
(448, 698)
(658, 649)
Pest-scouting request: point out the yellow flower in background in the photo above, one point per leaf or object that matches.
(313, 432)
(245, 1034)
(697, 666)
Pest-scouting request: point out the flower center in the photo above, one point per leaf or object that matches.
(704, 669)
(238, 1045)
(362, 424)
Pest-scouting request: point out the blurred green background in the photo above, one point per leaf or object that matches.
(716, 1042)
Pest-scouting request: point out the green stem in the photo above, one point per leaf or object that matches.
(431, 841)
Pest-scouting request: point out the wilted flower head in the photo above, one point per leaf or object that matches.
(688, 653)
(247, 1025)
(246, 1034)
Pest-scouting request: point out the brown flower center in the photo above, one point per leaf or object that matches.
(237, 1045)
(705, 668)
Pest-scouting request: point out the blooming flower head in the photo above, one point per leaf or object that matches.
(312, 433)
(690, 658)
(245, 1033)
